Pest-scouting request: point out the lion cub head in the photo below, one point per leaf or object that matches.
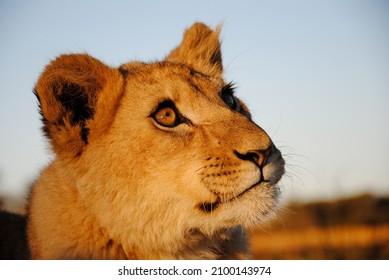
(158, 153)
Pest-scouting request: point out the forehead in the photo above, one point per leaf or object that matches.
(196, 95)
(172, 79)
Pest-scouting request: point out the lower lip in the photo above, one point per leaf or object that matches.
(210, 207)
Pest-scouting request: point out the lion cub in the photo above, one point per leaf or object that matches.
(153, 160)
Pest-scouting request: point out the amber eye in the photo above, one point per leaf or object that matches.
(166, 116)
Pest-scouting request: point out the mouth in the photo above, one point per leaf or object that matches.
(209, 207)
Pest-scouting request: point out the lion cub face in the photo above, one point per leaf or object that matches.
(196, 146)
(158, 146)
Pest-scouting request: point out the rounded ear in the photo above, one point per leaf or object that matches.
(78, 97)
(200, 49)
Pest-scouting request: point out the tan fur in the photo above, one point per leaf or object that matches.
(122, 186)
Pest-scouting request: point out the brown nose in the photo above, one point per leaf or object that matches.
(258, 157)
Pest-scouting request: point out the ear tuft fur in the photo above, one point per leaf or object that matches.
(200, 48)
(69, 92)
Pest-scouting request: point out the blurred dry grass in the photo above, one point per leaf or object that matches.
(355, 228)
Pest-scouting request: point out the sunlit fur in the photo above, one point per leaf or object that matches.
(123, 186)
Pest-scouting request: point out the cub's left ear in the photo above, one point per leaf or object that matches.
(78, 98)
(200, 49)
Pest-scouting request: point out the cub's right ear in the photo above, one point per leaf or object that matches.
(78, 98)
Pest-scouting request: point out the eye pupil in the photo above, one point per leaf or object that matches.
(166, 117)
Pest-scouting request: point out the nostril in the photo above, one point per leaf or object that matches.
(253, 156)
(258, 157)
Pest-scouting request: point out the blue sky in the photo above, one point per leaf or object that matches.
(314, 73)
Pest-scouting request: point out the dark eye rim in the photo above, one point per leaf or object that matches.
(169, 104)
